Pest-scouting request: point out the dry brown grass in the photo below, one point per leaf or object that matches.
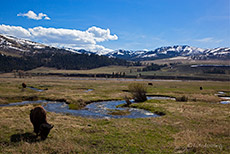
(100, 70)
(200, 126)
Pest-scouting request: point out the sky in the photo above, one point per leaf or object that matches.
(106, 25)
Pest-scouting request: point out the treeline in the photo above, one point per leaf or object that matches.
(57, 60)
(8, 63)
(153, 67)
(217, 70)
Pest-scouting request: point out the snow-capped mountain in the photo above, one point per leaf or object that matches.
(20, 54)
(216, 53)
(13, 45)
(16, 46)
(10, 43)
(173, 51)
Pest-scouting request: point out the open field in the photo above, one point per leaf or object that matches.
(175, 69)
(100, 70)
(200, 125)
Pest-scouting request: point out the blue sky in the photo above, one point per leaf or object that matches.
(119, 24)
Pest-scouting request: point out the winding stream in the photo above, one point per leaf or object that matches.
(93, 110)
(101, 109)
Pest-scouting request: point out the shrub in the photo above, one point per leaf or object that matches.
(138, 92)
(127, 100)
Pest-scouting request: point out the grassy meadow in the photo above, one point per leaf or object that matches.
(200, 125)
(178, 70)
(100, 70)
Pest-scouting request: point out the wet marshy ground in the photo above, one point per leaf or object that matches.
(104, 109)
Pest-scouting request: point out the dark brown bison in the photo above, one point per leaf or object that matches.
(24, 85)
(150, 84)
(38, 119)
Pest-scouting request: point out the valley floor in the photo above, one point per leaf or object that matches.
(199, 125)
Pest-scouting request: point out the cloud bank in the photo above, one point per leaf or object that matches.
(59, 37)
(31, 15)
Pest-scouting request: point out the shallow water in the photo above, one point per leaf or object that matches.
(93, 110)
(225, 98)
(96, 109)
(225, 102)
(88, 90)
(99, 110)
(36, 89)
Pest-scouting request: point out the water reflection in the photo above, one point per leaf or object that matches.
(93, 110)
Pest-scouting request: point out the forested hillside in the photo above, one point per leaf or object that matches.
(57, 60)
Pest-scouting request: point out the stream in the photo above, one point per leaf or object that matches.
(101, 109)
(94, 110)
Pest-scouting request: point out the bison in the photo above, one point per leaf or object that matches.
(24, 85)
(38, 119)
(150, 84)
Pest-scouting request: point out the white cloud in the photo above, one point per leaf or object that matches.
(31, 15)
(101, 34)
(15, 31)
(208, 40)
(60, 37)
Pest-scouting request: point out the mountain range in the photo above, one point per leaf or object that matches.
(171, 52)
(20, 54)
(10, 45)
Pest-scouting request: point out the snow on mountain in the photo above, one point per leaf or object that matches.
(172, 51)
(25, 47)
(20, 46)
(21, 41)
(217, 53)
(17, 46)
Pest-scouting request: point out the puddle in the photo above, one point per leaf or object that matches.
(88, 90)
(219, 93)
(93, 110)
(225, 102)
(225, 98)
(36, 89)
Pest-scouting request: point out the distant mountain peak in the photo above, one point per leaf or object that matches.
(21, 46)
(172, 51)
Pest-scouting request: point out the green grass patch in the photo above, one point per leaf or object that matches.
(119, 112)
(74, 106)
(149, 106)
(200, 126)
